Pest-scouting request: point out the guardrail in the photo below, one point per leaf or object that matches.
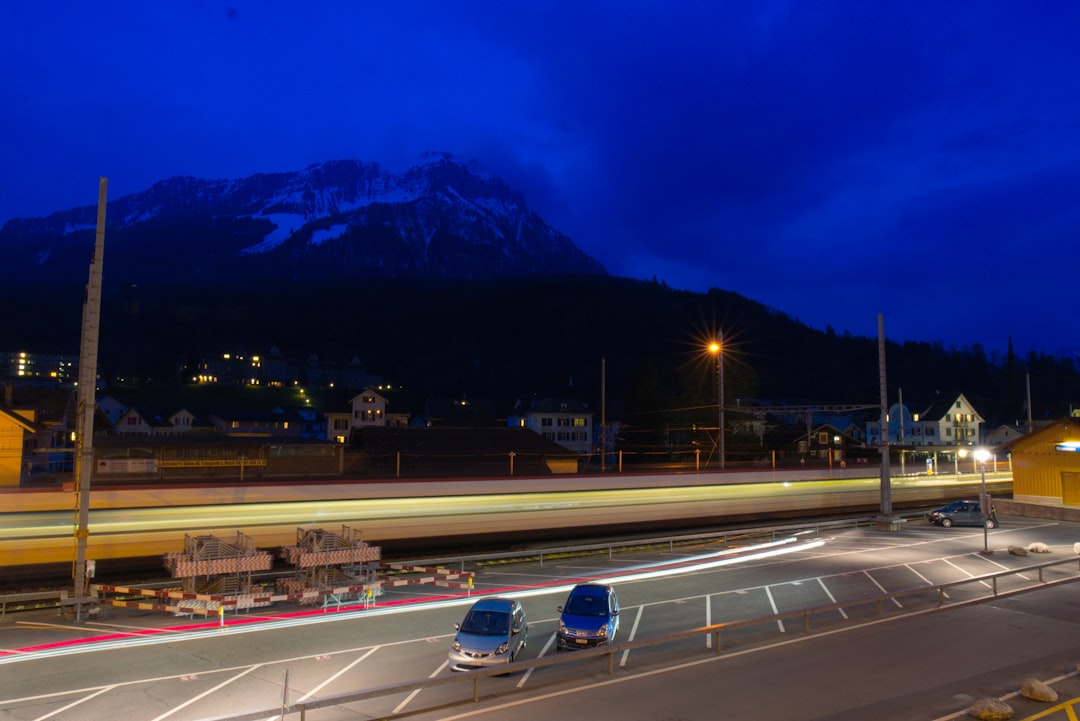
(670, 541)
(20, 599)
(715, 631)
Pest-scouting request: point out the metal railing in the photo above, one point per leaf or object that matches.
(716, 632)
(630, 544)
(20, 600)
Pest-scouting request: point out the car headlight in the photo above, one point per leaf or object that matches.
(562, 627)
(502, 649)
(602, 631)
(456, 646)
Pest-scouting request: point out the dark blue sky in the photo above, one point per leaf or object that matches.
(834, 160)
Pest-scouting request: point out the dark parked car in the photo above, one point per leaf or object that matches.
(962, 513)
(590, 616)
(494, 632)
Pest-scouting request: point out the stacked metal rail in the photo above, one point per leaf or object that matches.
(209, 565)
(326, 560)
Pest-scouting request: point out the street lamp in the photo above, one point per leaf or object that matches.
(717, 349)
(982, 456)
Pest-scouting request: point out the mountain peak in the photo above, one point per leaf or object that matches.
(339, 218)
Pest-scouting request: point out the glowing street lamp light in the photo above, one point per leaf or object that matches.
(717, 349)
(982, 456)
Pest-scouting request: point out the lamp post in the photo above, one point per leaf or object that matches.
(717, 349)
(982, 456)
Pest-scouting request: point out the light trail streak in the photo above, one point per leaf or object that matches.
(124, 525)
(265, 623)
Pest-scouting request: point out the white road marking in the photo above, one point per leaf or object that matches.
(633, 633)
(73, 704)
(416, 691)
(772, 604)
(882, 589)
(208, 692)
(824, 588)
(924, 579)
(545, 649)
(708, 620)
(336, 676)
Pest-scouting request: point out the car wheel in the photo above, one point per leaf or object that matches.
(946, 522)
(990, 523)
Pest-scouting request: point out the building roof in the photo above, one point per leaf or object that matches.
(1067, 428)
(943, 405)
(456, 440)
(17, 419)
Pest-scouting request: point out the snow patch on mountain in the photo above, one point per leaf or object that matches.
(334, 231)
(287, 224)
(69, 228)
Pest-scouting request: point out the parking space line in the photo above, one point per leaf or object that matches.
(963, 571)
(882, 588)
(416, 691)
(337, 675)
(208, 692)
(1002, 566)
(821, 582)
(708, 620)
(633, 633)
(73, 704)
(923, 578)
(772, 603)
(545, 649)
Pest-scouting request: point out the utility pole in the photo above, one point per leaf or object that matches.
(603, 413)
(720, 360)
(87, 403)
(886, 519)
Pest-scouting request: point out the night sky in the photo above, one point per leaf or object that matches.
(833, 160)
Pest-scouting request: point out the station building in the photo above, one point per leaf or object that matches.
(1046, 464)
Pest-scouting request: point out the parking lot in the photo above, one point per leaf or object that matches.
(175, 673)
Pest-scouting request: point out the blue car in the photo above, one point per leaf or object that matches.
(590, 616)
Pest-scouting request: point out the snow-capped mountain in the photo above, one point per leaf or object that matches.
(336, 219)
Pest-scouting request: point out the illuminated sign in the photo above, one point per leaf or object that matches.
(1068, 447)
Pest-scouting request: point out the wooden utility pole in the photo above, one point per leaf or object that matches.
(886, 487)
(87, 403)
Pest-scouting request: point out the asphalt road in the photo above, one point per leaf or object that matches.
(913, 661)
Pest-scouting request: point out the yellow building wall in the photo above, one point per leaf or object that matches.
(11, 452)
(1039, 470)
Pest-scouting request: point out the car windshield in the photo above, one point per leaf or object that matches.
(486, 623)
(582, 605)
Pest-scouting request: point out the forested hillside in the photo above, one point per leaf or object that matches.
(511, 340)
